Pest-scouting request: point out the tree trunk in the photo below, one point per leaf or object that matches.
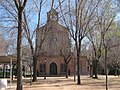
(31, 75)
(78, 68)
(34, 68)
(66, 69)
(91, 70)
(96, 72)
(74, 70)
(115, 70)
(95, 68)
(19, 60)
(106, 69)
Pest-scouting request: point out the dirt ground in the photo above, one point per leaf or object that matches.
(61, 83)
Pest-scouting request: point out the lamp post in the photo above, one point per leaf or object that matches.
(117, 68)
(45, 69)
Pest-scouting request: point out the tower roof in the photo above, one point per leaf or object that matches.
(53, 11)
(52, 15)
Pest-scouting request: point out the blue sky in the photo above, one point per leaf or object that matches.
(33, 13)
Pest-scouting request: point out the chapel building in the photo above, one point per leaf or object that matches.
(55, 38)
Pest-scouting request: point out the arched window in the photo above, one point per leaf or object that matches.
(53, 68)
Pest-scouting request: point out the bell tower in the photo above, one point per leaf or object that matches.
(52, 15)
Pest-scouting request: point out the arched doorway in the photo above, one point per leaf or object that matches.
(53, 69)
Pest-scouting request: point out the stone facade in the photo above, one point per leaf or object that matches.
(52, 38)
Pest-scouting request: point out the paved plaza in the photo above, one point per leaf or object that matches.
(61, 83)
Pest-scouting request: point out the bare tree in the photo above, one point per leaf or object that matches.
(107, 46)
(11, 16)
(20, 7)
(30, 37)
(96, 42)
(8, 26)
(35, 51)
(88, 51)
(105, 21)
(14, 14)
(113, 59)
(79, 21)
(67, 55)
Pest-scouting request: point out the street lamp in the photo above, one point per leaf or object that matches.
(45, 69)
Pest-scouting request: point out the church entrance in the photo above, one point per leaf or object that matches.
(53, 69)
